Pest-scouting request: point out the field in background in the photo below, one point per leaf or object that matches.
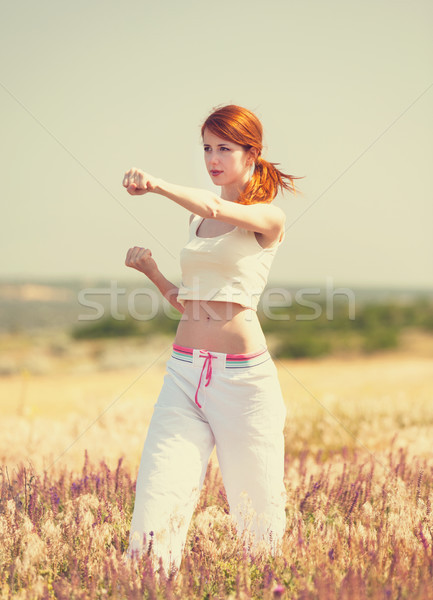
(298, 322)
(98, 386)
(359, 471)
(359, 474)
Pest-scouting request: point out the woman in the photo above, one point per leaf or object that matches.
(221, 386)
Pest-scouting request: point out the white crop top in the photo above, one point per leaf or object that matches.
(231, 267)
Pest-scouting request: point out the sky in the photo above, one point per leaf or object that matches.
(344, 90)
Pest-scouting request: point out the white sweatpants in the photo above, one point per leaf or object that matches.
(233, 401)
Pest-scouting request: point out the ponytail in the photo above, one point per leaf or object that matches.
(266, 182)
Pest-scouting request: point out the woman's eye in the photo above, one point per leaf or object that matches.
(206, 148)
(222, 148)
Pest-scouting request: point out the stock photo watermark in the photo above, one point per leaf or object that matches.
(105, 302)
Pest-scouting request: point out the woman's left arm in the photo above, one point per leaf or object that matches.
(264, 218)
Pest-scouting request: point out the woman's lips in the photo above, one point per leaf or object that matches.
(215, 173)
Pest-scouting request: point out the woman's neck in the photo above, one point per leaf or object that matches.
(233, 191)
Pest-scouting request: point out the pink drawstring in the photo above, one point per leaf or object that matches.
(208, 360)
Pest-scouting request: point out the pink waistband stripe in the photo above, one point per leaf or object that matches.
(231, 357)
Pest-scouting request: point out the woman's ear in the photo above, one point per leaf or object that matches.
(252, 156)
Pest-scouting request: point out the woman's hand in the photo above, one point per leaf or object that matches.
(138, 182)
(141, 259)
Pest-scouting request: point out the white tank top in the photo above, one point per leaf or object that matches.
(231, 267)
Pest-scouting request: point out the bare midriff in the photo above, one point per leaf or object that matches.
(220, 327)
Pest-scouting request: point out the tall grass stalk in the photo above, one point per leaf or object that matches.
(355, 529)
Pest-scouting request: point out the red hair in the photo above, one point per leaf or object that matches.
(241, 126)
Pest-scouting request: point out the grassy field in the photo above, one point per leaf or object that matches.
(359, 469)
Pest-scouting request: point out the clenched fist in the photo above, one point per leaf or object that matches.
(141, 259)
(138, 182)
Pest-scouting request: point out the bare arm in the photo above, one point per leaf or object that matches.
(264, 218)
(168, 290)
(141, 260)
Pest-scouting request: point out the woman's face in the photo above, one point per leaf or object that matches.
(227, 163)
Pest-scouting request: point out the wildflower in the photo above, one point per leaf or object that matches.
(278, 591)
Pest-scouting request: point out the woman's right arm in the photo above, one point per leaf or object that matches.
(141, 260)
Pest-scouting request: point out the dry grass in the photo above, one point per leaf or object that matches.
(358, 475)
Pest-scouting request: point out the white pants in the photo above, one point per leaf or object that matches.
(240, 409)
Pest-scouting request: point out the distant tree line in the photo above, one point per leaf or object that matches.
(298, 331)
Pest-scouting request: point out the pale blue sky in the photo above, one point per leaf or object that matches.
(90, 89)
